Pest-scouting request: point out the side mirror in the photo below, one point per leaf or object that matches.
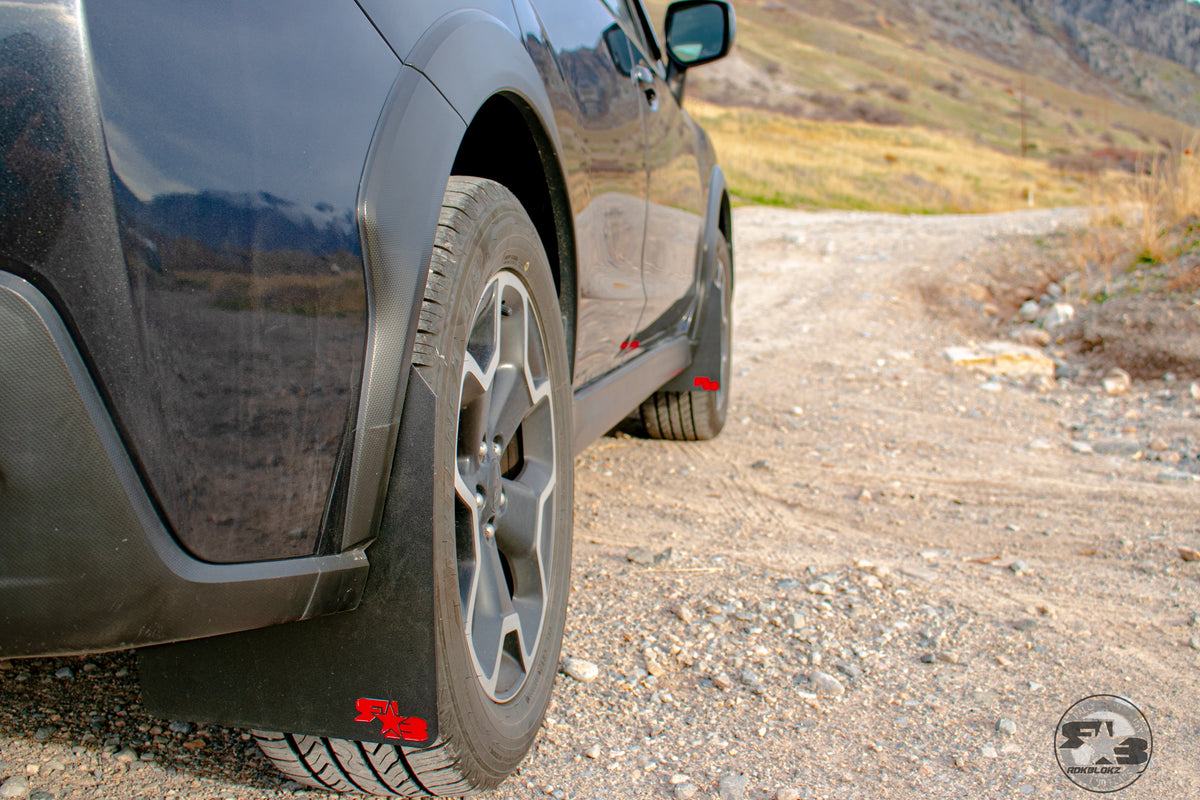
(698, 31)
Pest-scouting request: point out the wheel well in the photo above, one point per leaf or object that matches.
(506, 143)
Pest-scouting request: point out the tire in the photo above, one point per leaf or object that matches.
(699, 414)
(490, 343)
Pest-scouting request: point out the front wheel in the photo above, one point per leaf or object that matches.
(490, 344)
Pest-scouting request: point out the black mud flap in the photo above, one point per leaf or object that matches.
(705, 370)
(367, 674)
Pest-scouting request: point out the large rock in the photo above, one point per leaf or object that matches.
(1002, 358)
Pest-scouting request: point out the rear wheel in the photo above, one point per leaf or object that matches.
(700, 413)
(490, 345)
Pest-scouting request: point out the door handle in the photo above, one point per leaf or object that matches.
(645, 78)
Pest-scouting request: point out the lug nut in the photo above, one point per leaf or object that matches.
(497, 449)
(503, 499)
(479, 499)
(489, 531)
(483, 450)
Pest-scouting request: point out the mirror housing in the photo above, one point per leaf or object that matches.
(698, 32)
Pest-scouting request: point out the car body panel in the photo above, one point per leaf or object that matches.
(236, 193)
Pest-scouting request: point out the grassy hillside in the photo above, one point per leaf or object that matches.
(866, 104)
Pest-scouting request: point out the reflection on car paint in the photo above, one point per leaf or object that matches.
(240, 237)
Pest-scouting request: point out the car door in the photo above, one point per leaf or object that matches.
(675, 193)
(601, 128)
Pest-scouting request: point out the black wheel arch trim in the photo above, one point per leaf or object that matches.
(410, 160)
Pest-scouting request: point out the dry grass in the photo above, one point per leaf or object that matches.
(1152, 219)
(776, 159)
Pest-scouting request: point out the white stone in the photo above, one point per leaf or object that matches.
(1058, 315)
(580, 670)
(1116, 382)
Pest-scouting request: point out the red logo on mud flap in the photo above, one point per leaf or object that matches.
(706, 384)
(630, 345)
(407, 729)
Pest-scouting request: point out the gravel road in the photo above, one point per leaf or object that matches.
(889, 577)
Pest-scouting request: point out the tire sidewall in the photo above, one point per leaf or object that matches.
(492, 738)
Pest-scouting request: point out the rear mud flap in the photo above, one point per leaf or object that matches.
(367, 674)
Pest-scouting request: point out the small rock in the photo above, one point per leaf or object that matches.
(63, 673)
(1018, 567)
(179, 726)
(640, 555)
(15, 787)
(43, 733)
(1159, 444)
(685, 614)
(1119, 446)
(1006, 726)
(722, 681)
(787, 794)
(920, 573)
(763, 464)
(849, 670)
(794, 621)
(1194, 390)
(820, 587)
(1194, 643)
(798, 411)
(592, 752)
(1083, 448)
(987, 751)
(1024, 624)
(751, 678)
(732, 787)
(826, 684)
(678, 778)
(865, 496)
(1058, 315)
(1188, 554)
(5, 665)
(1116, 382)
(1031, 336)
(1029, 310)
(126, 755)
(685, 791)
(580, 670)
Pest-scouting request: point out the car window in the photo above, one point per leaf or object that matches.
(647, 38)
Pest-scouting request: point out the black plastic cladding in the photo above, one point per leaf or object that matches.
(76, 522)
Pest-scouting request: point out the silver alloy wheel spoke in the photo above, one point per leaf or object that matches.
(504, 521)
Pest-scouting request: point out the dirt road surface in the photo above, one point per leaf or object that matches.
(889, 577)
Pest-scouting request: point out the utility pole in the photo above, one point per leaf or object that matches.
(1023, 144)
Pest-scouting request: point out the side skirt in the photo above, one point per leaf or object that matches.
(606, 401)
